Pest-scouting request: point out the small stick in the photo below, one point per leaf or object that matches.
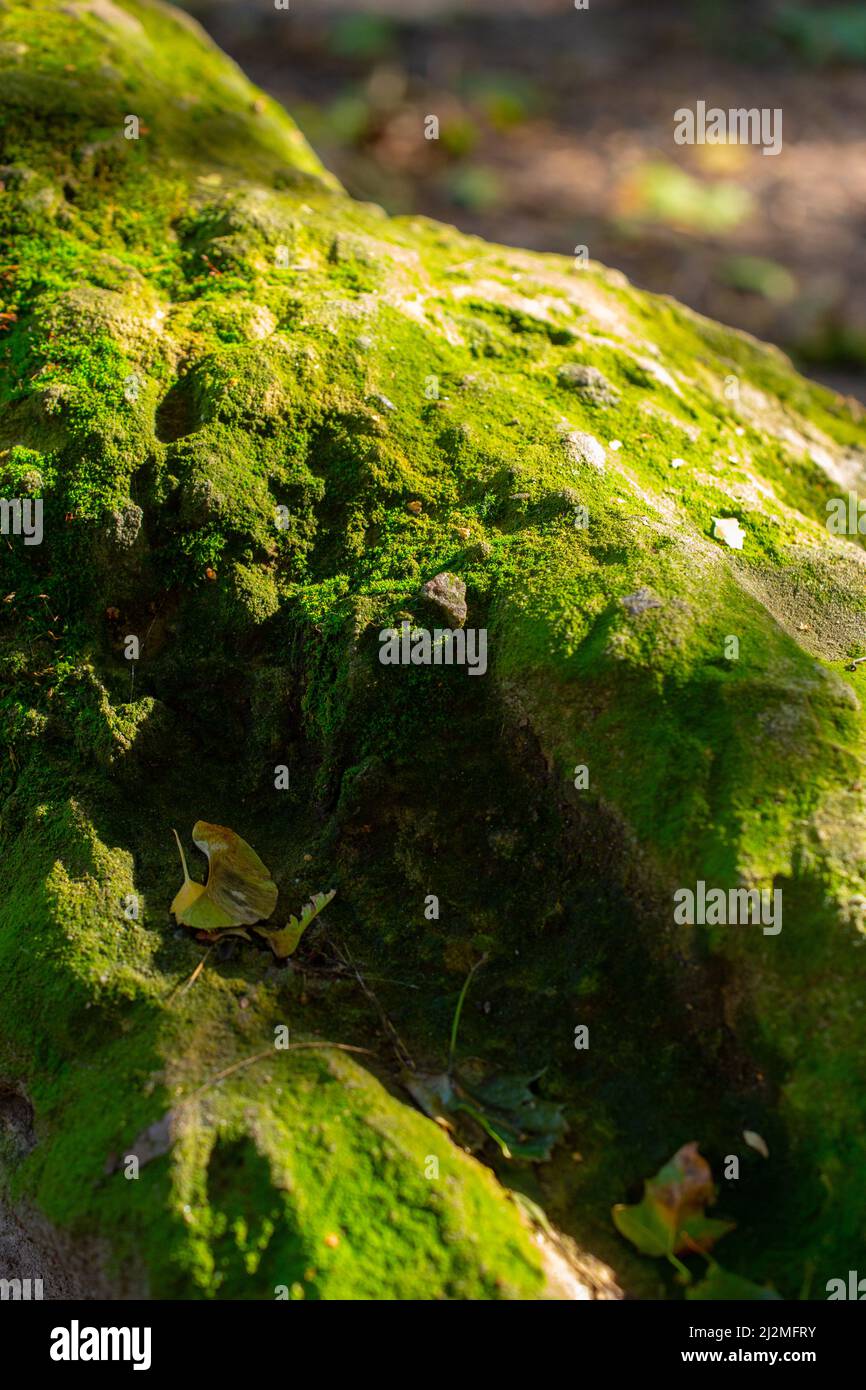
(192, 979)
(400, 1049)
(269, 1052)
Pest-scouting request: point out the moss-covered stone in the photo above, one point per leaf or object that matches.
(262, 418)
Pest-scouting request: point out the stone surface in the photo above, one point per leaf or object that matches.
(589, 382)
(447, 595)
(290, 514)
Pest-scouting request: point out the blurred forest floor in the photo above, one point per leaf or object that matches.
(556, 130)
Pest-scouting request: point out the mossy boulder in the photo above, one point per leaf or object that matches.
(261, 419)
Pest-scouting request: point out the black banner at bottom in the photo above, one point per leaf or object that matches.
(225, 1339)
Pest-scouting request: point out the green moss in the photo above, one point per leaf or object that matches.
(260, 418)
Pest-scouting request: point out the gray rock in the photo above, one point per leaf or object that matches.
(640, 601)
(201, 501)
(589, 382)
(585, 449)
(123, 525)
(448, 594)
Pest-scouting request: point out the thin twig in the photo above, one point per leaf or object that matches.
(182, 989)
(400, 1049)
(269, 1052)
(387, 980)
(150, 628)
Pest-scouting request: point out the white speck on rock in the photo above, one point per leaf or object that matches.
(729, 530)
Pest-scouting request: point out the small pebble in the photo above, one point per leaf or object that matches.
(729, 530)
(584, 449)
(755, 1141)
